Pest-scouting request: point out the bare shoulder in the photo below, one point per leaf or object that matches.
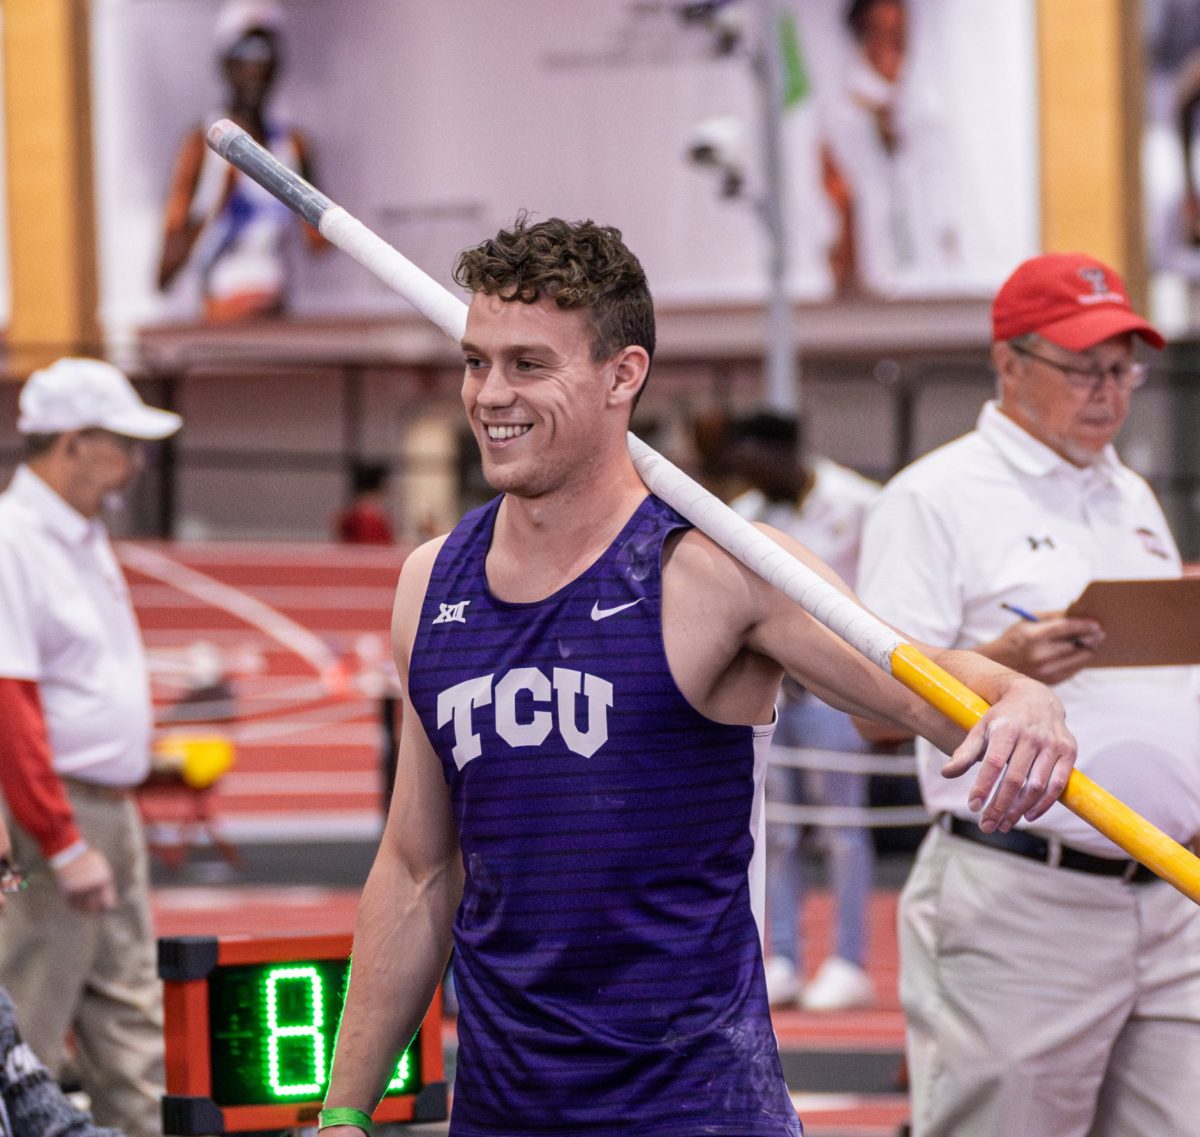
(410, 596)
(696, 561)
(730, 635)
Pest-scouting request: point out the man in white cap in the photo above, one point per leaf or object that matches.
(77, 952)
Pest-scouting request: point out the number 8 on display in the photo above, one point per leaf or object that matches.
(295, 1048)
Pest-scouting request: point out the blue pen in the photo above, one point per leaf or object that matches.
(1017, 611)
(1025, 614)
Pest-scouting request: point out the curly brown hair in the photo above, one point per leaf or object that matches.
(577, 265)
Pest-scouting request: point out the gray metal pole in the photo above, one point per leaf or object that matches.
(783, 388)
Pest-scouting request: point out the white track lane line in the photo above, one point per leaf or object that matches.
(297, 638)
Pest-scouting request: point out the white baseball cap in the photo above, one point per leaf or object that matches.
(76, 394)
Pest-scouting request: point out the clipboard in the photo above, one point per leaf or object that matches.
(1147, 623)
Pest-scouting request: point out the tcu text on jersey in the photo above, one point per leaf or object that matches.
(558, 698)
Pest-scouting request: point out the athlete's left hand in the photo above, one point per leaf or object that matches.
(1026, 754)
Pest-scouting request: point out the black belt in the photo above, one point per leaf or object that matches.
(1026, 844)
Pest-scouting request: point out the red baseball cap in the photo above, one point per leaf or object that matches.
(1070, 299)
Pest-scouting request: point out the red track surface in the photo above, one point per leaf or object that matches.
(292, 623)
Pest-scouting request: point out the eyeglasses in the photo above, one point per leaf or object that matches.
(1128, 375)
(12, 879)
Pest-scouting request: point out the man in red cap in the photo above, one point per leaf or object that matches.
(1050, 985)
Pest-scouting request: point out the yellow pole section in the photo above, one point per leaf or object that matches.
(51, 221)
(1111, 816)
(1090, 84)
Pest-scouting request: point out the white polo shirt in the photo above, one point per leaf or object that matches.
(66, 623)
(997, 516)
(830, 520)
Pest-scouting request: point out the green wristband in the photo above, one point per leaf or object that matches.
(345, 1115)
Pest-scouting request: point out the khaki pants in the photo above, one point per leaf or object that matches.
(1045, 1001)
(95, 975)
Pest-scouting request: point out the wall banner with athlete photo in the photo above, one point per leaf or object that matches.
(1171, 162)
(906, 176)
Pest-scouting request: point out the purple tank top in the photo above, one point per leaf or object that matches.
(607, 961)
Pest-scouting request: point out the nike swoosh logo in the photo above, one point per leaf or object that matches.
(599, 613)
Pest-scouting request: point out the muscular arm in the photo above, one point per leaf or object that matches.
(729, 663)
(402, 934)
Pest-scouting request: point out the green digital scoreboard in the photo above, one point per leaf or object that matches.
(271, 1032)
(250, 1030)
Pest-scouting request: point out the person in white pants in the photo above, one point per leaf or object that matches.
(1075, 1012)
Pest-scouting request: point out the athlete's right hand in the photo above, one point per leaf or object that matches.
(87, 882)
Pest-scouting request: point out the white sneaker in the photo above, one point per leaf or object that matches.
(838, 986)
(783, 988)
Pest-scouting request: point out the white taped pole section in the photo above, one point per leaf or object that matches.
(820, 599)
(437, 304)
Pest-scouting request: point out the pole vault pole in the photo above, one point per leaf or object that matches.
(843, 616)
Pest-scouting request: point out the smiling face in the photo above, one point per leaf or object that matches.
(545, 415)
(1076, 423)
